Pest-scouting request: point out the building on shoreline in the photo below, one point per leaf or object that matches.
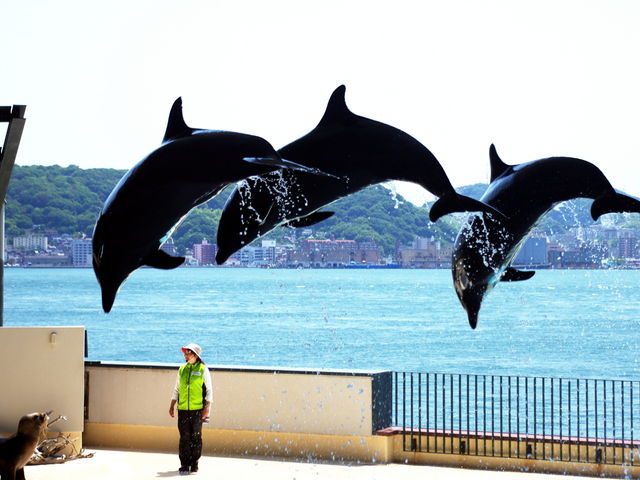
(333, 254)
(597, 246)
(533, 253)
(31, 242)
(425, 253)
(81, 252)
(205, 252)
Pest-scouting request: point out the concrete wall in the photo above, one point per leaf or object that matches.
(41, 369)
(324, 415)
(296, 401)
(289, 402)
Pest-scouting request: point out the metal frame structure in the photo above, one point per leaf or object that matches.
(14, 116)
(540, 418)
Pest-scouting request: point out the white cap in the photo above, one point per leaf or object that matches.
(195, 348)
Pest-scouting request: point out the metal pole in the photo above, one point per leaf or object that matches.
(2, 266)
(15, 117)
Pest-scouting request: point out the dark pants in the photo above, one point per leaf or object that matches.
(190, 428)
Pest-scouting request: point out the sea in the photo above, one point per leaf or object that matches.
(560, 323)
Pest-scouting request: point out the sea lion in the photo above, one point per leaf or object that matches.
(149, 202)
(359, 152)
(16, 450)
(486, 245)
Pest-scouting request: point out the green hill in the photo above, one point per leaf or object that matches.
(55, 198)
(69, 199)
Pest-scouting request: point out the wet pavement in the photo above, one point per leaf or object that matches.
(129, 465)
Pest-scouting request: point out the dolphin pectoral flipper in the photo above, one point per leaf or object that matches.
(162, 260)
(459, 203)
(513, 275)
(308, 220)
(617, 203)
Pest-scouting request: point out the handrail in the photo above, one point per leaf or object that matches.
(566, 419)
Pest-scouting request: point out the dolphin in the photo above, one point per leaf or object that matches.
(524, 193)
(189, 168)
(358, 151)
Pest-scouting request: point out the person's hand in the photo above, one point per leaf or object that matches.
(205, 413)
(171, 411)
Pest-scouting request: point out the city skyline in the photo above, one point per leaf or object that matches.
(596, 246)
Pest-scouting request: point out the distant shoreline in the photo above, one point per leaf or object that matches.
(369, 267)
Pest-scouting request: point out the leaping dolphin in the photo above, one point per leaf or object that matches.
(150, 200)
(359, 152)
(486, 245)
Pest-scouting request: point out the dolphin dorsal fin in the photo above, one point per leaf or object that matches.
(337, 109)
(498, 167)
(176, 126)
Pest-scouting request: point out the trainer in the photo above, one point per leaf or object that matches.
(193, 394)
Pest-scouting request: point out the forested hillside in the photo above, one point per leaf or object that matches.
(69, 199)
(55, 198)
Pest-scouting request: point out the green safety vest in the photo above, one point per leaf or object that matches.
(191, 391)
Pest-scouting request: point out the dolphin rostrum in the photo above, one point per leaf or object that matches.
(486, 245)
(358, 151)
(150, 200)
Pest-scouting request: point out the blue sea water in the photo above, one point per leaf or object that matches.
(568, 323)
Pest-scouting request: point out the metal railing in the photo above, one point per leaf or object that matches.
(541, 418)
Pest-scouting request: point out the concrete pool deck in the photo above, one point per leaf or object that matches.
(128, 465)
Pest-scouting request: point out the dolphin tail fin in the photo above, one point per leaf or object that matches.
(513, 275)
(459, 203)
(616, 203)
(162, 260)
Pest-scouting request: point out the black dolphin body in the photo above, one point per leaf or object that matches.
(486, 245)
(148, 203)
(358, 151)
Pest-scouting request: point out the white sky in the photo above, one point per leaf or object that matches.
(537, 78)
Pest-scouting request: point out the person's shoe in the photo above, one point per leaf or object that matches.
(184, 471)
(194, 468)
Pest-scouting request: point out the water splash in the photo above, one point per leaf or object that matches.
(393, 191)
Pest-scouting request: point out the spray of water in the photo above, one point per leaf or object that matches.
(394, 194)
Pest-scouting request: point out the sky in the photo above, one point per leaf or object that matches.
(537, 78)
